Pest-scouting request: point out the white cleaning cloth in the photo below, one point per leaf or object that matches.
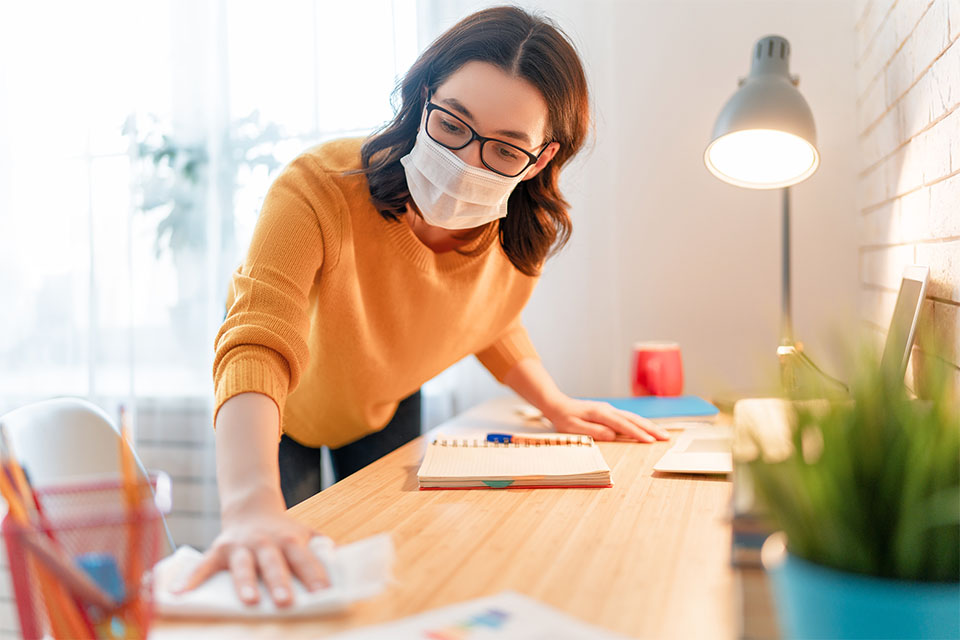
(356, 571)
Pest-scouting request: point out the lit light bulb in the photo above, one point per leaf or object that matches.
(761, 158)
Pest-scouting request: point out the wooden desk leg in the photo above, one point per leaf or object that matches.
(758, 619)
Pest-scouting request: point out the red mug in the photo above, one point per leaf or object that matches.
(657, 369)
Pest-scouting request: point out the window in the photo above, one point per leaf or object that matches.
(94, 304)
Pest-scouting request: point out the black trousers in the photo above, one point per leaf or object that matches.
(300, 465)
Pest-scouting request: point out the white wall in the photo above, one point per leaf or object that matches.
(908, 96)
(663, 250)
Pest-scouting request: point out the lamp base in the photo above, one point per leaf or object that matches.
(802, 379)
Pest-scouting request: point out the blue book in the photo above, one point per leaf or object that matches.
(666, 408)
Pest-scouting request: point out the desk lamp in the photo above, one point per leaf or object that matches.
(765, 138)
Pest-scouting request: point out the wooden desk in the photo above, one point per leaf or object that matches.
(649, 557)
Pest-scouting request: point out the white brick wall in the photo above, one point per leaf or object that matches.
(908, 79)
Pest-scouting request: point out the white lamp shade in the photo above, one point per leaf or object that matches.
(765, 137)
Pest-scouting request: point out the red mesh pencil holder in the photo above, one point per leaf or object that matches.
(80, 567)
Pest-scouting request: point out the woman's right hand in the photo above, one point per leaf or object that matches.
(261, 542)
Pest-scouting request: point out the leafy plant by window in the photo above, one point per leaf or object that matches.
(174, 175)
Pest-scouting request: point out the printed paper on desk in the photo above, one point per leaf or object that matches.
(505, 616)
(356, 571)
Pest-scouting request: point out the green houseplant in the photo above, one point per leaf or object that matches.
(868, 503)
(174, 175)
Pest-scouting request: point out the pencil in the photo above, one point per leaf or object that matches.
(17, 488)
(69, 574)
(132, 489)
(14, 502)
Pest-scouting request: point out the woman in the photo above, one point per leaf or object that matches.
(377, 264)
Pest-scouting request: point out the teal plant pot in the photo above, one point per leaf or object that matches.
(813, 601)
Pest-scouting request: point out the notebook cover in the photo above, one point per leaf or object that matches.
(508, 488)
(654, 407)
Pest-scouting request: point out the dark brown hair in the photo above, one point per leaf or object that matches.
(528, 47)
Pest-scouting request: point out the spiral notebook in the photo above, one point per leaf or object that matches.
(454, 463)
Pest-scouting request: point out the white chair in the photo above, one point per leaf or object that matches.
(64, 438)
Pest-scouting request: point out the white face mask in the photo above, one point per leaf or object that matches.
(449, 192)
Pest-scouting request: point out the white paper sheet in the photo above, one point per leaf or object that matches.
(356, 571)
(505, 616)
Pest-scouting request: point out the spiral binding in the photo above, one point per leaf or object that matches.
(570, 440)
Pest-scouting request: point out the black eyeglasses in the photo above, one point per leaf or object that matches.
(500, 157)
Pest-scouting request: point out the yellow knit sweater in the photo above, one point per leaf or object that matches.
(337, 313)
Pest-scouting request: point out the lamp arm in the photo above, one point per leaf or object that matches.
(786, 337)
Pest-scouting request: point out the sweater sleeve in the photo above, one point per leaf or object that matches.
(511, 347)
(262, 344)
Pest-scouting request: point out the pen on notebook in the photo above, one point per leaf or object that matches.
(509, 438)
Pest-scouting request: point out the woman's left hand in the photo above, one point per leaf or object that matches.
(602, 421)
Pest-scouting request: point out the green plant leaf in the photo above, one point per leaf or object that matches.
(883, 495)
